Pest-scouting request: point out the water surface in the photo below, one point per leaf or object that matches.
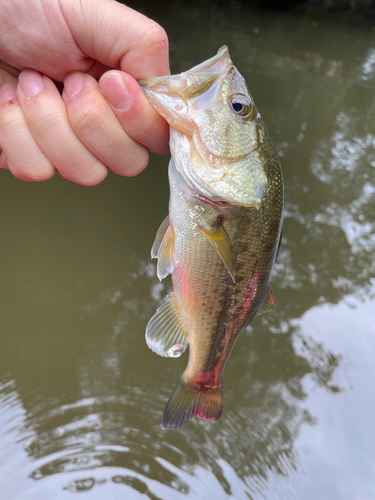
(81, 395)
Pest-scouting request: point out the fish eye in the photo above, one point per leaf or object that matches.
(241, 105)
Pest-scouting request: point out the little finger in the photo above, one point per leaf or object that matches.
(20, 152)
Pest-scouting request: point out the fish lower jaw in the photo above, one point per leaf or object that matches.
(213, 201)
(224, 203)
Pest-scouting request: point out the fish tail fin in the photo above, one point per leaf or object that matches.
(189, 400)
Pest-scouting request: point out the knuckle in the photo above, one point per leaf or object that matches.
(151, 133)
(88, 120)
(142, 132)
(87, 176)
(39, 173)
(44, 122)
(136, 165)
(9, 123)
(96, 178)
(156, 37)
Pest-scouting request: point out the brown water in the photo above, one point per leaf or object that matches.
(81, 395)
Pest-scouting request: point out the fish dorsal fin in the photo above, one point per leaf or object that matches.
(220, 241)
(269, 303)
(165, 334)
(163, 249)
(159, 237)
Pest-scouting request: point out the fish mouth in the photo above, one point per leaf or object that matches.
(215, 200)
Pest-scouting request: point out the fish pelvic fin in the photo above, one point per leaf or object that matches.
(163, 249)
(190, 400)
(219, 239)
(159, 238)
(269, 303)
(165, 333)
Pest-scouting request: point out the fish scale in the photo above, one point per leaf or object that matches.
(222, 235)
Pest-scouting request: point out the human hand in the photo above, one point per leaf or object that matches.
(94, 125)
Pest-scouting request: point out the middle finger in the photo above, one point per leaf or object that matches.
(97, 126)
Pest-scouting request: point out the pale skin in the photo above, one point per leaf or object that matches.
(102, 120)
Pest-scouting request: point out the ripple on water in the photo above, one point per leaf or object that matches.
(96, 434)
(95, 445)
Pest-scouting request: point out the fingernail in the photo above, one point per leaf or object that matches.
(116, 92)
(8, 92)
(31, 82)
(73, 84)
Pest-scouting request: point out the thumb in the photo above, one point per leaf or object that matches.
(118, 36)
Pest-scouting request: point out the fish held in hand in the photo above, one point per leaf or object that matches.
(221, 237)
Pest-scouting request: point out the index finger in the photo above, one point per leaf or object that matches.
(136, 115)
(119, 37)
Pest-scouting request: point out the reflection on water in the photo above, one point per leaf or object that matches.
(81, 395)
(112, 424)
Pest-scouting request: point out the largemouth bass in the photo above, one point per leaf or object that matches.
(222, 235)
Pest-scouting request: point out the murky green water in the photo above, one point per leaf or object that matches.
(81, 395)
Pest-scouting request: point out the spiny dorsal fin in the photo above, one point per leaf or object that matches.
(188, 400)
(165, 334)
(162, 249)
(159, 237)
(221, 243)
(269, 303)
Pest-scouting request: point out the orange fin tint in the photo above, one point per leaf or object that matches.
(220, 241)
(269, 303)
(188, 401)
(165, 334)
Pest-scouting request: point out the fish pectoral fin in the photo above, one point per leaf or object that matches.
(188, 401)
(219, 239)
(163, 249)
(165, 333)
(159, 237)
(269, 303)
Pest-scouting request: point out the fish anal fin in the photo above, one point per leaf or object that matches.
(219, 239)
(159, 237)
(191, 400)
(165, 255)
(165, 333)
(269, 303)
